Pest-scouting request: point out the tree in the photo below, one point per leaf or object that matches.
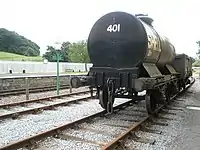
(198, 52)
(78, 52)
(70, 52)
(12, 42)
(50, 54)
(63, 51)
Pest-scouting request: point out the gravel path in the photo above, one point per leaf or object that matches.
(11, 99)
(11, 130)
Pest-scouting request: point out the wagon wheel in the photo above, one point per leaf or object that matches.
(150, 102)
(167, 95)
(103, 97)
(134, 99)
(110, 102)
(97, 93)
(111, 90)
(179, 86)
(184, 85)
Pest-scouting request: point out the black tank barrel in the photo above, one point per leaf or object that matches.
(122, 40)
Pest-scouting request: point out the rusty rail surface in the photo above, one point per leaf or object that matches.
(135, 126)
(31, 90)
(42, 99)
(57, 130)
(37, 109)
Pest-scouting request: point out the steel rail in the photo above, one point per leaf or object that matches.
(31, 90)
(135, 126)
(37, 109)
(46, 107)
(42, 99)
(55, 131)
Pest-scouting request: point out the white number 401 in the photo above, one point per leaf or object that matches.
(114, 28)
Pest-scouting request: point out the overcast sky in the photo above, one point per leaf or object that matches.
(48, 21)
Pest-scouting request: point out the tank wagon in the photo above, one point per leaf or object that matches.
(130, 56)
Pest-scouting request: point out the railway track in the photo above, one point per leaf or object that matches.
(31, 90)
(45, 104)
(114, 129)
(117, 142)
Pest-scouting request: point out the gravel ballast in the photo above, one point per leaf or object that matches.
(32, 105)
(11, 130)
(18, 98)
(166, 140)
(172, 137)
(92, 134)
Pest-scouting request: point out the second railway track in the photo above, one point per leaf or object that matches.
(100, 131)
(31, 90)
(10, 111)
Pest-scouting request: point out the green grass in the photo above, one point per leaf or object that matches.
(16, 57)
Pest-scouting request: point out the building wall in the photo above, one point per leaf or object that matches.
(40, 67)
